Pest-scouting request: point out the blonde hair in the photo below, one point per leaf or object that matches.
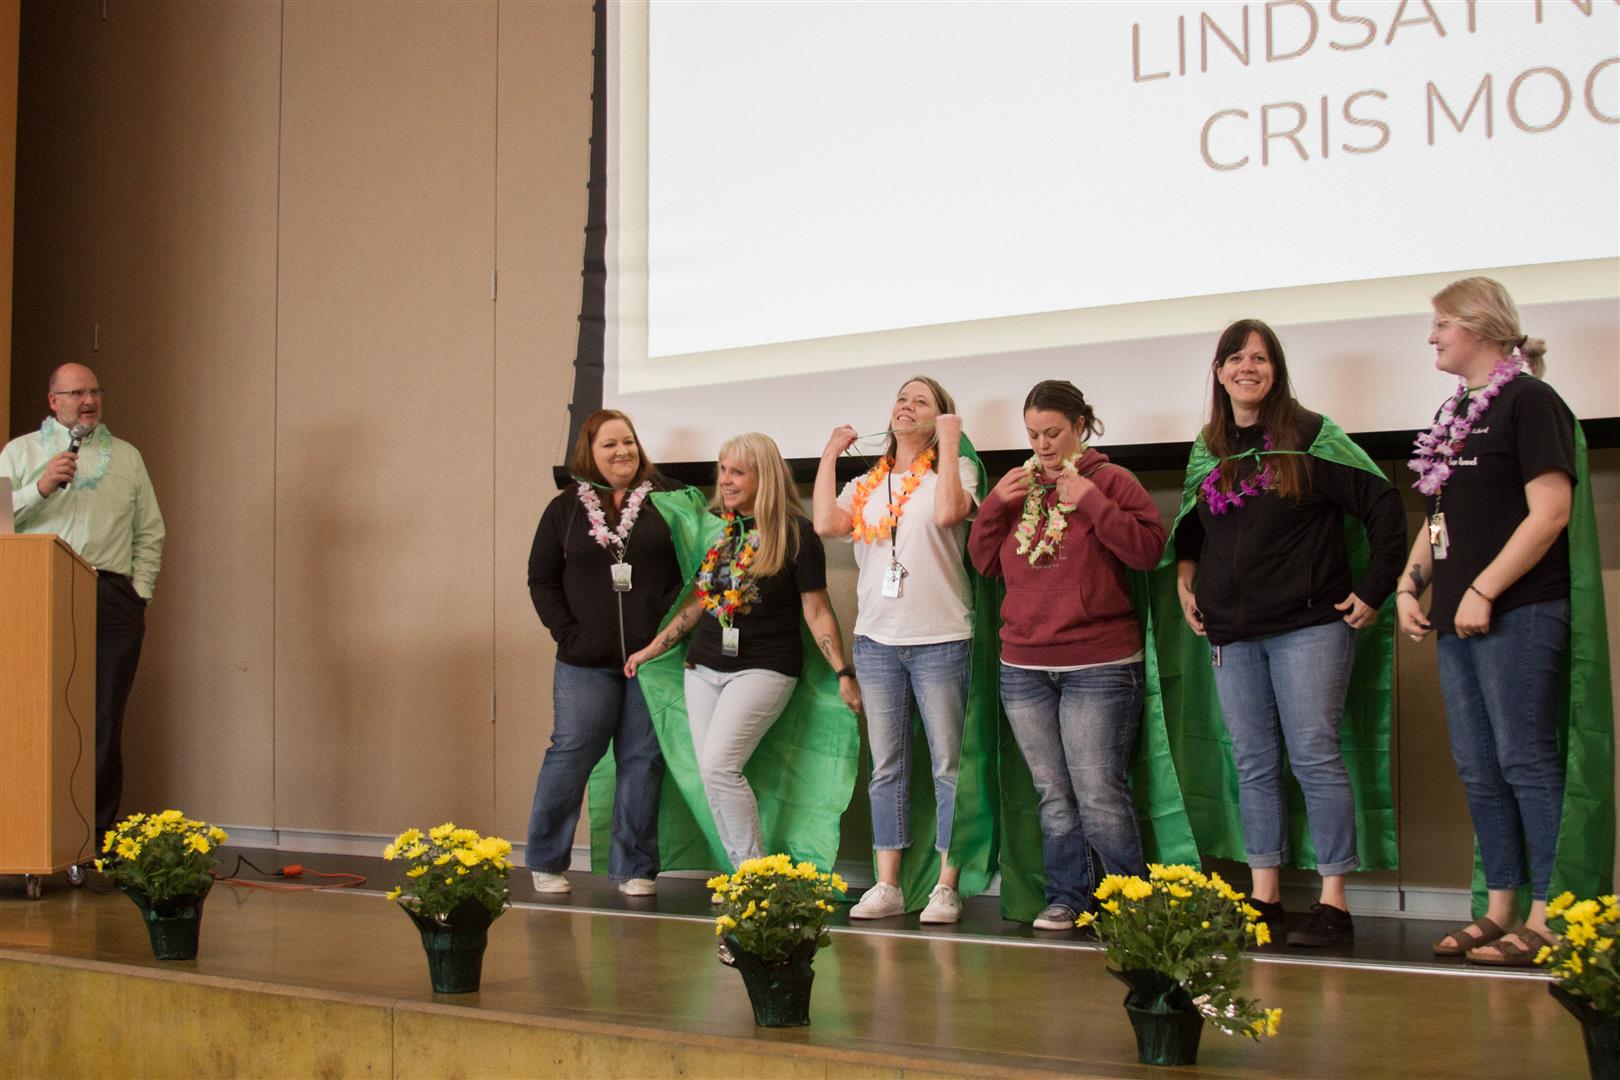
(776, 499)
(1483, 307)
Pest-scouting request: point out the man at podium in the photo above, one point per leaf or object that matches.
(74, 479)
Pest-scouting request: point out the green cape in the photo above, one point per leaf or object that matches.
(1585, 859)
(803, 771)
(996, 823)
(1200, 745)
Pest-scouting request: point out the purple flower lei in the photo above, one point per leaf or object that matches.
(1432, 454)
(1219, 502)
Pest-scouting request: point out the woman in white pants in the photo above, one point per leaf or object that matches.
(766, 570)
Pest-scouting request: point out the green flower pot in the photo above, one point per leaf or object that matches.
(1167, 1024)
(172, 924)
(455, 946)
(780, 992)
(1601, 1033)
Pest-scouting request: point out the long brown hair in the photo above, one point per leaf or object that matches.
(945, 404)
(583, 463)
(776, 500)
(1280, 413)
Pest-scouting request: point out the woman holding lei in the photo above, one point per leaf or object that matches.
(914, 632)
(1263, 572)
(1063, 530)
(755, 583)
(602, 572)
(1498, 469)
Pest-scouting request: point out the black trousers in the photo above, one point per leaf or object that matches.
(120, 627)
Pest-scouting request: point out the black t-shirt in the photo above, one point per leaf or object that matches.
(1526, 431)
(768, 632)
(571, 581)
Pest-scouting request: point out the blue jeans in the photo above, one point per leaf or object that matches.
(593, 707)
(1288, 690)
(1076, 730)
(1501, 695)
(894, 679)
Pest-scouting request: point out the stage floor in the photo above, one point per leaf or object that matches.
(889, 999)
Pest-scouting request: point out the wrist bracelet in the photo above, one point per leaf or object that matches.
(1406, 592)
(1487, 599)
(845, 673)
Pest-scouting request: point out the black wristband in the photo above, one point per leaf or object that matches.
(845, 673)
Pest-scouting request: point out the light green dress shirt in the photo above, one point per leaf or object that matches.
(110, 513)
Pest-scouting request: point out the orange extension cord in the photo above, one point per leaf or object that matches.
(339, 881)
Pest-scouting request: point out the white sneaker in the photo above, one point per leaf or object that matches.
(639, 886)
(879, 902)
(550, 883)
(944, 906)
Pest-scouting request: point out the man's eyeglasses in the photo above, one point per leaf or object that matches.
(80, 395)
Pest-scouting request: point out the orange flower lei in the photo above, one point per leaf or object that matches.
(871, 534)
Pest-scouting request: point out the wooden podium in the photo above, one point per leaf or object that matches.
(47, 707)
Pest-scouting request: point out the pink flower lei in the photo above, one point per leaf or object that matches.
(1431, 458)
(598, 518)
(1219, 502)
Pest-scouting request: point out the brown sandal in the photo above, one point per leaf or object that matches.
(1510, 953)
(1481, 931)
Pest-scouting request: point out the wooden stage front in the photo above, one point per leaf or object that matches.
(335, 984)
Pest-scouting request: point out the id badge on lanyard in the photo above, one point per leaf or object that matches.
(621, 577)
(730, 640)
(1439, 538)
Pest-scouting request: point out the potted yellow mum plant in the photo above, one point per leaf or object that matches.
(455, 885)
(1176, 939)
(773, 918)
(1585, 976)
(164, 862)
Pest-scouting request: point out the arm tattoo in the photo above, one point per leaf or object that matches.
(1416, 577)
(826, 644)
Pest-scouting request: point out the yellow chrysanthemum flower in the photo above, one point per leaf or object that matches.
(415, 851)
(416, 871)
(1111, 906)
(394, 893)
(442, 859)
(1086, 918)
(1262, 933)
(198, 843)
(1135, 888)
(1560, 904)
(1273, 1021)
(217, 835)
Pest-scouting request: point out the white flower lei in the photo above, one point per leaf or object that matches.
(627, 517)
(1056, 520)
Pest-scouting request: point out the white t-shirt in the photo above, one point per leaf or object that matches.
(935, 602)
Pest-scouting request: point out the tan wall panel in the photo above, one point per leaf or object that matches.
(188, 337)
(385, 416)
(59, 106)
(545, 109)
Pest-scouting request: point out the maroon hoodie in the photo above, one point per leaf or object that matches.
(1075, 609)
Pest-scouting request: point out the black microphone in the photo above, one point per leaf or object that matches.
(76, 435)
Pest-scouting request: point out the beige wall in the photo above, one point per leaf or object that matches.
(282, 222)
